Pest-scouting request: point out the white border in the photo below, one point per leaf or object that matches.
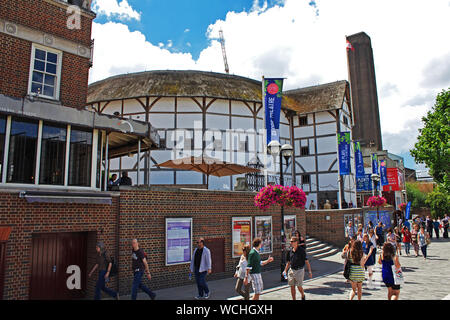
(58, 70)
(262, 218)
(190, 240)
(233, 219)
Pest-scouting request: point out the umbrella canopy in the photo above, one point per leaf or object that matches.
(208, 166)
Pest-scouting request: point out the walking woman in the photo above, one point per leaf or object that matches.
(240, 274)
(104, 264)
(406, 239)
(414, 240)
(373, 239)
(357, 276)
(398, 240)
(390, 237)
(370, 253)
(423, 239)
(387, 260)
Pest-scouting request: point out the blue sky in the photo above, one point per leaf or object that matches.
(301, 40)
(182, 22)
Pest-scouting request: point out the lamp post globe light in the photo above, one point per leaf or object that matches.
(286, 151)
(375, 179)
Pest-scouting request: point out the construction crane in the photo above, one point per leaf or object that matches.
(224, 53)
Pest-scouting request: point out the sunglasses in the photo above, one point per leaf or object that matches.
(293, 240)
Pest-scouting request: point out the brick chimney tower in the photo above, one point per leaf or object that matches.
(363, 85)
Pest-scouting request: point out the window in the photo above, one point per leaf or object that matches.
(303, 121)
(304, 151)
(100, 173)
(306, 179)
(345, 120)
(22, 151)
(53, 154)
(80, 158)
(2, 140)
(45, 72)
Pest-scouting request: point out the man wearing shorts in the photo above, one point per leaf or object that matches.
(296, 260)
(253, 273)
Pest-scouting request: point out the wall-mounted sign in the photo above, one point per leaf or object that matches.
(241, 234)
(290, 225)
(263, 230)
(178, 240)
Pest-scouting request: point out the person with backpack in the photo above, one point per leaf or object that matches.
(104, 264)
(139, 266)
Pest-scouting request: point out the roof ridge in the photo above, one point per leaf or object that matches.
(315, 86)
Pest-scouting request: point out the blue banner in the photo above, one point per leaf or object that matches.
(408, 211)
(359, 162)
(383, 173)
(364, 183)
(344, 153)
(272, 96)
(374, 163)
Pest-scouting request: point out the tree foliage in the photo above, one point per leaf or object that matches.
(415, 195)
(439, 202)
(433, 145)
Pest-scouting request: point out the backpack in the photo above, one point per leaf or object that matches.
(113, 270)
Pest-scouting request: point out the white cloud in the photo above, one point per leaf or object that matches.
(187, 30)
(115, 9)
(292, 41)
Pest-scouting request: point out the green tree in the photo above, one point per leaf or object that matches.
(439, 202)
(433, 145)
(416, 196)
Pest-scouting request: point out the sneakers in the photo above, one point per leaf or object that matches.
(206, 296)
(198, 297)
(153, 297)
(304, 298)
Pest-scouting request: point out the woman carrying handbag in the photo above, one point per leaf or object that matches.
(391, 271)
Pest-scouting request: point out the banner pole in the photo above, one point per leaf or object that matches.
(265, 132)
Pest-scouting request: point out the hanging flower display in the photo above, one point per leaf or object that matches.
(283, 196)
(402, 206)
(376, 201)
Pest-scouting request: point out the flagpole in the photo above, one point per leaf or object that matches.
(265, 132)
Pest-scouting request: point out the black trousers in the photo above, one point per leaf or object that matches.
(445, 232)
(436, 231)
(430, 232)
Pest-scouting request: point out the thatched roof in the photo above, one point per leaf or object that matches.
(174, 83)
(323, 97)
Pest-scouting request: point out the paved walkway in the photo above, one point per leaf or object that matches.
(424, 280)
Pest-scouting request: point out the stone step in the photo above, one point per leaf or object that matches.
(313, 244)
(326, 254)
(316, 246)
(316, 252)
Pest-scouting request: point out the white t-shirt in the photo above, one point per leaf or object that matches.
(242, 268)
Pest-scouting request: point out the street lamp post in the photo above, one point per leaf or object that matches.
(375, 178)
(286, 151)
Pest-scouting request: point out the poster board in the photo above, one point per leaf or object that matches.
(241, 234)
(263, 230)
(385, 218)
(178, 240)
(290, 225)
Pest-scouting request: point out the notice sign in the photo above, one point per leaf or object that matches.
(344, 153)
(178, 240)
(290, 225)
(242, 235)
(263, 230)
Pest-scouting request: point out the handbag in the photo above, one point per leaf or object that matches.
(398, 275)
(347, 267)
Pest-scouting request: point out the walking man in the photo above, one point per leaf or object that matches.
(296, 260)
(445, 224)
(139, 265)
(104, 264)
(253, 274)
(200, 266)
(429, 225)
(349, 231)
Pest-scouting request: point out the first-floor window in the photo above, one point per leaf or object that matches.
(53, 154)
(22, 151)
(80, 158)
(306, 179)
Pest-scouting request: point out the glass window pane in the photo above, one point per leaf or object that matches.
(49, 80)
(53, 154)
(48, 91)
(40, 54)
(36, 88)
(2, 139)
(52, 57)
(51, 68)
(80, 158)
(38, 77)
(161, 121)
(39, 65)
(22, 151)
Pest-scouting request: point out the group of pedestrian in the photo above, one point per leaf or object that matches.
(114, 181)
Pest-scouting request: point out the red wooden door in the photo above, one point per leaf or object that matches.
(2, 266)
(217, 248)
(52, 254)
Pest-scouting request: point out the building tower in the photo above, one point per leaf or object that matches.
(367, 128)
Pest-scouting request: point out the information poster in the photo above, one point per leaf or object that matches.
(178, 240)
(290, 225)
(263, 230)
(385, 218)
(241, 234)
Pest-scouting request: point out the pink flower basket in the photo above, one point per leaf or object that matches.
(283, 196)
(376, 201)
(402, 206)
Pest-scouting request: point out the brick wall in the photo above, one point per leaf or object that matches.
(45, 16)
(142, 216)
(29, 218)
(143, 213)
